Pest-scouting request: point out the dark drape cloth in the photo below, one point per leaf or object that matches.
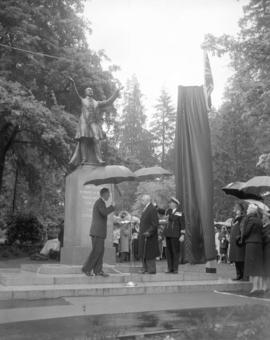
(194, 178)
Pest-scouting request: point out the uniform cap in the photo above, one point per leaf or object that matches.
(174, 200)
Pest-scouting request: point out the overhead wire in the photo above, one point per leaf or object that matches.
(35, 53)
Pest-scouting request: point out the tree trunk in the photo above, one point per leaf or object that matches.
(163, 140)
(5, 144)
(15, 189)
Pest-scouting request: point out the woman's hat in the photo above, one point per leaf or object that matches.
(174, 200)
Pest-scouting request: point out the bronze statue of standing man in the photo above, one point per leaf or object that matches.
(89, 130)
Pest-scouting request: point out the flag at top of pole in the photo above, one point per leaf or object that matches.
(208, 80)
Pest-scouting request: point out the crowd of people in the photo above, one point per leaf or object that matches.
(247, 245)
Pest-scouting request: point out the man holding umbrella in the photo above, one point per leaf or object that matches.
(148, 236)
(98, 233)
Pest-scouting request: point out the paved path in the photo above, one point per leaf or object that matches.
(83, 317)
(81, 306)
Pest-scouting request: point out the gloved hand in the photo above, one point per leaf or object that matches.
(182, 238)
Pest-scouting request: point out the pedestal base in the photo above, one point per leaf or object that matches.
(76, 255)
(79, 202)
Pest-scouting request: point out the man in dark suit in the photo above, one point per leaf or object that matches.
(148, 236)
(98, 233)
(174, 233)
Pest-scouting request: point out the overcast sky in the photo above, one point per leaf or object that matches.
(159, 40)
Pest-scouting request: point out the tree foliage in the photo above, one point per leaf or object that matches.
(51, 28)
(36, 142)
(135, 141)
(24, 228)
(240, 130)
(38, 106)
(249, 53)
(160, 192)
(163, 126)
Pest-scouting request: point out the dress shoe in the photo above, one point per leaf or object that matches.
(256, 293)
(88, 273)
(102, 274)
(169, 272)
(175, 272)
(152, 273)
(237, 278)
(142, 272)
(244, 279)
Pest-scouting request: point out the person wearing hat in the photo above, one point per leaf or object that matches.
(174, 233)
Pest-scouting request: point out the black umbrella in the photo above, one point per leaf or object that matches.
(258, 185)
(151, 173)
(236, 189)
(110, 174)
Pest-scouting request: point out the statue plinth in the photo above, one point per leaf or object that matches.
(79, 202)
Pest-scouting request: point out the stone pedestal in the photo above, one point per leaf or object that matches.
(79, 201)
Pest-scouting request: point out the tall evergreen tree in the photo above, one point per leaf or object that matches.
(163, 126)
(234, 154)
(249, 53)
(135, 140)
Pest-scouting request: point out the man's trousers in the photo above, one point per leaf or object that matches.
(172, 253)
(95, 259)
(149, 266)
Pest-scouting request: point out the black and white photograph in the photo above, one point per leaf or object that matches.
(134, 169)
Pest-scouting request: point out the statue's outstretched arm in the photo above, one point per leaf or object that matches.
(110, 100)
(75, 87)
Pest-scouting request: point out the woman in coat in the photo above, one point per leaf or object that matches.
(252, 237)
(125, 236)
(237, 251)
(266, 252)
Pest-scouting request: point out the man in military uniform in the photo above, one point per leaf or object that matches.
(174, 233)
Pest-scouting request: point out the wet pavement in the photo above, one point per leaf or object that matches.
(123, 316)
(131, 317)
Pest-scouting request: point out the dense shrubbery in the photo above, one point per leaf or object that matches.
(24, 229)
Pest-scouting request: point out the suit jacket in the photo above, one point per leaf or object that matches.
(99, 218)
(252, 232)
(176, 224)
(237, 254)
(148, 246)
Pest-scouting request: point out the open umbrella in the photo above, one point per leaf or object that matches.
(110, 174)
(259, 204)
(150, 173)
(258, 185)
(236, 189)
(227, 223)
